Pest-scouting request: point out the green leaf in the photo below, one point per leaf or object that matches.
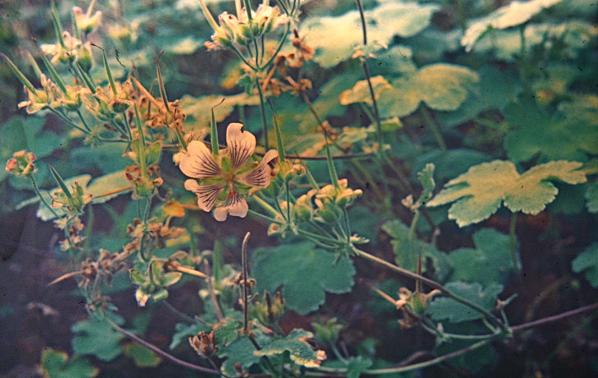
(105, 157)
(390, 18)
(295, 343)
(239, 352)
(514, 14)
(592, 197)
(440, 86)
(426, 178)
(489, 262)
(482, 190)
(587, 262)
(569, 133)
(304, 272)
(142, 356)
(444, 308)
(497, 88)
(450, 163)
(357, 365)
(56, 364)
(182, 331)
(98, 338)
(407, 250)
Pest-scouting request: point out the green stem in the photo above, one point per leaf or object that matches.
(262, 112)
(513, 241)
(41, 198)
(433, 125)
(431, 283)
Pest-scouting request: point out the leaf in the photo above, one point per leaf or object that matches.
(105, 157)
(497, 88)
(56, 364)
(357, 365)
(239, 352)
(20, 133)
(514, 14)
(570, 37)
(587, 263)
(142, 356)
(304, 272)
(489, 262)
(450, 163)
(440, 86)
(592, 197)
(407, 250)
(482, 190)
(444, 308)
(295, 343)
(198, 108)
(569, 133)
(390, 18)
(98, 338)
(182, 331)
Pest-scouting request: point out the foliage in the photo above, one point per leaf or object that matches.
(304, 272)
(253, 172)
(484, 188)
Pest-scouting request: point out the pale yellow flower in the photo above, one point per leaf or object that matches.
(223, 181)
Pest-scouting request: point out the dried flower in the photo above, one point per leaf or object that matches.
(228, 177)
(21, 163)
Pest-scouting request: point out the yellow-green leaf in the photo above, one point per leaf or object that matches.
(479, 193)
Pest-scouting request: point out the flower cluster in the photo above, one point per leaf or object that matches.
(74, 201)
(21, 163)
(223, 180)
(238, 30)
(326, 204)
(49, 95)
(69, 49)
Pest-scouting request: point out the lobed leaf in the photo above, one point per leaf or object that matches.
(444, 308)
(587, 262)
(480, 192)
(304, 272)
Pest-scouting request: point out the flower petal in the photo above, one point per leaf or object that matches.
(206, 194)
(235, 206)
(261, 175)
(198, 162)
(240, 144)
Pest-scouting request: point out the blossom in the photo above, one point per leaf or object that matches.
(68, 49)
(238, 29)
(21, 163)
(228, 177)
(85, 20)
(50, 96)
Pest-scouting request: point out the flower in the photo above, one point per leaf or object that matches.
(21, 163)
(50, 96)
(238, 29)
(70, 48)
(228, 177)
(86, 21)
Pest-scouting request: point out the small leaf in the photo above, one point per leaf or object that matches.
(407, 250)
(304, 272)
(444, 308)
(489, 262)
(592, 197)
(98, 338)
(295, 343)
(587, 262)
(56, 364)
(142, 356)
(182, 331)
(239, 352)
(482, 190)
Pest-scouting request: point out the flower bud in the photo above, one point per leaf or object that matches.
(21, 163)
